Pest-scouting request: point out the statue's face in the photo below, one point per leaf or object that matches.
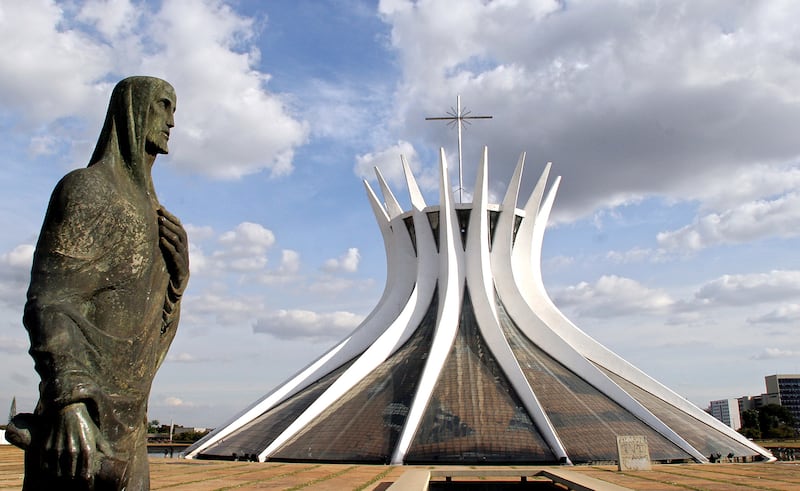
(159, 121)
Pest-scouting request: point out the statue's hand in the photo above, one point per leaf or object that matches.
(74, 446)
(175, 245)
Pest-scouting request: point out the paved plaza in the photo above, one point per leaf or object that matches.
(192, 475)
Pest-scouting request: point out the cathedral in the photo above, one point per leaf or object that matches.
(466, 360)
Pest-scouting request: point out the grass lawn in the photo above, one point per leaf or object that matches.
(788, 443)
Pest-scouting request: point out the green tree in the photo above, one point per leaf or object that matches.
(775, 421)
(750, 425)
(190, 436)
(770, 421)
(154, 426)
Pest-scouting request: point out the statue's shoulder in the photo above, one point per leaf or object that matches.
(85, 217)
(84, 186)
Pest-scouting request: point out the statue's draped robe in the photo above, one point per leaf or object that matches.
(95, 311)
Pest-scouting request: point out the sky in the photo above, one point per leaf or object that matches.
(674, 125)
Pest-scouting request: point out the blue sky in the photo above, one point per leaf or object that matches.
(674, 238)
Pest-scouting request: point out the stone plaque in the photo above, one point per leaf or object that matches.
(633, 453)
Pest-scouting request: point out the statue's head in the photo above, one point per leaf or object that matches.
(138, 121)
(160, 119)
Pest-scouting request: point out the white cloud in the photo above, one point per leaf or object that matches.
(246, 247)
(348, 262)
(613, 296)
(345, 112)
(182, 358)
(198, 261)
(287, 271)
(173, 401)
(637, 254)
(332, 285)
(778, 217)
(628, 99)
(752, 183)
(43, 145)
(227, 125)
(248, 236)
(784, 314)
(750, 289)
(773, 353)
(243, 251)
(294, 324)
(112, 18)
(13, 345)
(290, 262)
(558, 262)
(15, 269)
(210, 307)
(40, 47)
(198, 233)
(20, 257)
(388, 162)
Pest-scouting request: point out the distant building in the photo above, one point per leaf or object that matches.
(754, 402)
(727, 411)
(786, 389)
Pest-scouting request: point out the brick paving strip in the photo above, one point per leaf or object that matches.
(322, 479)
(780, 476)
(237, 475)
(715, 480)
(172, 473)
(362, 478)
(769, 477)
(657, 480)
(726, 475)
(11, 468)
(628, 479)
(378, 478)
(194, 475)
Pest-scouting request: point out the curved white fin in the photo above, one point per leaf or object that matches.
(392, 206)
(451, 282)
(417, 201)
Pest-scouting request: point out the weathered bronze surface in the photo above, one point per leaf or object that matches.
(108, 274)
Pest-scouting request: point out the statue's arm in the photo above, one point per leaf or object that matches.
(56, 315)
(73, 446)
(61, 353)
(63, 279)
(175, 247)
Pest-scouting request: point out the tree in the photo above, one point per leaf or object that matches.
(770, 421)
(775, 421)
(750, 426)
(190, 436)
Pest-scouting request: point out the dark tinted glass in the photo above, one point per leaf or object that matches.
(704, 438)
(586, 420)
(474, 415)
(255, 436)
(364, 425)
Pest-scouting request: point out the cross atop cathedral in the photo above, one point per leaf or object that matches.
(457, 117)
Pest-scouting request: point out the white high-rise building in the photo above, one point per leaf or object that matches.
(727, 411)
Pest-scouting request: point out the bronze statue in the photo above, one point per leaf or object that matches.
(109, 270)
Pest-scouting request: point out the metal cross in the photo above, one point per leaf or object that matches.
(459, 118)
